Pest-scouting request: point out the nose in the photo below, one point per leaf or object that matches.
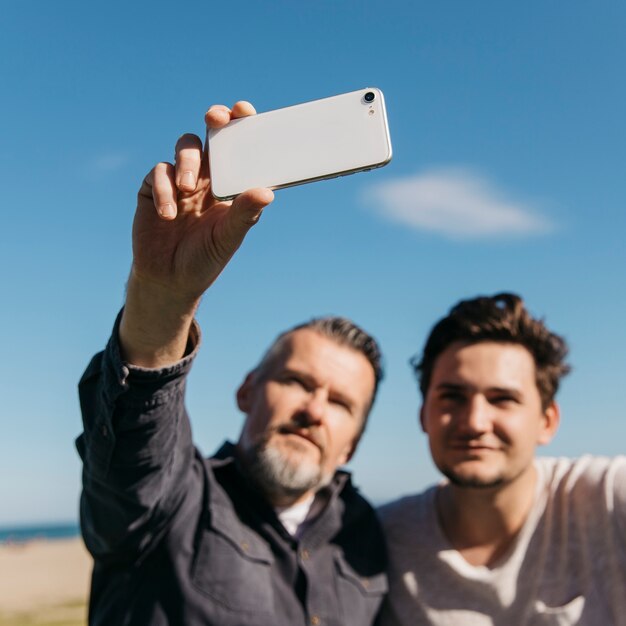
(475, 419)
(314, 408)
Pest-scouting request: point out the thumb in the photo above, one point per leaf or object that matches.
(246, 210)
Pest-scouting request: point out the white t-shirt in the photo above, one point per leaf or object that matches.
(292, 517)
(566, 566)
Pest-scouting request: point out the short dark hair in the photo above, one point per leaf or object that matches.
(501, 318)
(342, 331)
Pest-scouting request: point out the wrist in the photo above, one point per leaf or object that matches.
(154, 292)
(155, 323)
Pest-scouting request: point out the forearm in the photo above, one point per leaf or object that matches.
(137, 451)
(155, 325)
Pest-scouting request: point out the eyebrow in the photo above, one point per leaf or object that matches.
(453, 387)
(461, 387)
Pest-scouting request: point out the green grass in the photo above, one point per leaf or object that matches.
(68, 614)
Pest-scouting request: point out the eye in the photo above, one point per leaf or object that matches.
(503, 399)
(341, 403)
(292, 379)
(450, 395)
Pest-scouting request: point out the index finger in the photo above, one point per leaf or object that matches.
(242, 109)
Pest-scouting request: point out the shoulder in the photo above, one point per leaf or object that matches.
(357, 509)
(412, 534)
(586, 470)
(397, 509)
(588, 480)
(358, 531)
(402, 516)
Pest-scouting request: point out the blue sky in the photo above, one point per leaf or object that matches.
(509, 137)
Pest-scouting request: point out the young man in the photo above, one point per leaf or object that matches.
(508, 538)
(267, 531)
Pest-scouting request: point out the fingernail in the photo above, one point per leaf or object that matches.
(188, 180)
(166, 210)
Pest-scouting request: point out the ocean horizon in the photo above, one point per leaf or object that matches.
(29, 532)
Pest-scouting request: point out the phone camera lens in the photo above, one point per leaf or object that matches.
(369, 96)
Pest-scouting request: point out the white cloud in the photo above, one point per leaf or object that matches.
(110, 162)
(457, 203)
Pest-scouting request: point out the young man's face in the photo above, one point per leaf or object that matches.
(483, 414)
(305, 410)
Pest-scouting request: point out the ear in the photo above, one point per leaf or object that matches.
(550, 421)
(243, 393)
(422, 419)
(349, 451)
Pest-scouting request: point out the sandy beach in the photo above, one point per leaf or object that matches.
(44, 577)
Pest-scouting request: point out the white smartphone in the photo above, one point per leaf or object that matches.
(300, 144)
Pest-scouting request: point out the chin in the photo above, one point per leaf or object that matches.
(472, 479)
(474, 482)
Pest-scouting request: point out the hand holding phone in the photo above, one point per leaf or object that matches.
(312, 141)
(182, 240)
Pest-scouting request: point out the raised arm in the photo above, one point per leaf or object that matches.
(140, 469)
(182, 239)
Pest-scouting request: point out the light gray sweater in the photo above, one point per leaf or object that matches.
(566, 566)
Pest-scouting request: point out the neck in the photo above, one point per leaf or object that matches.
(284, 501)
(481, 523)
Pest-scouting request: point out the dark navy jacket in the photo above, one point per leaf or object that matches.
(182, 540)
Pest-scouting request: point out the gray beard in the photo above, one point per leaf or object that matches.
(279, 479)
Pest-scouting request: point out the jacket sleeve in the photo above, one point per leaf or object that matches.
(137, 452)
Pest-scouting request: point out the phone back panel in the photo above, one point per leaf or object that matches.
(298, 144)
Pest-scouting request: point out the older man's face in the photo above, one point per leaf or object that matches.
(305, 410)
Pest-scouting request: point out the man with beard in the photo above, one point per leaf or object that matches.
(267, 531)
(508, 538)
